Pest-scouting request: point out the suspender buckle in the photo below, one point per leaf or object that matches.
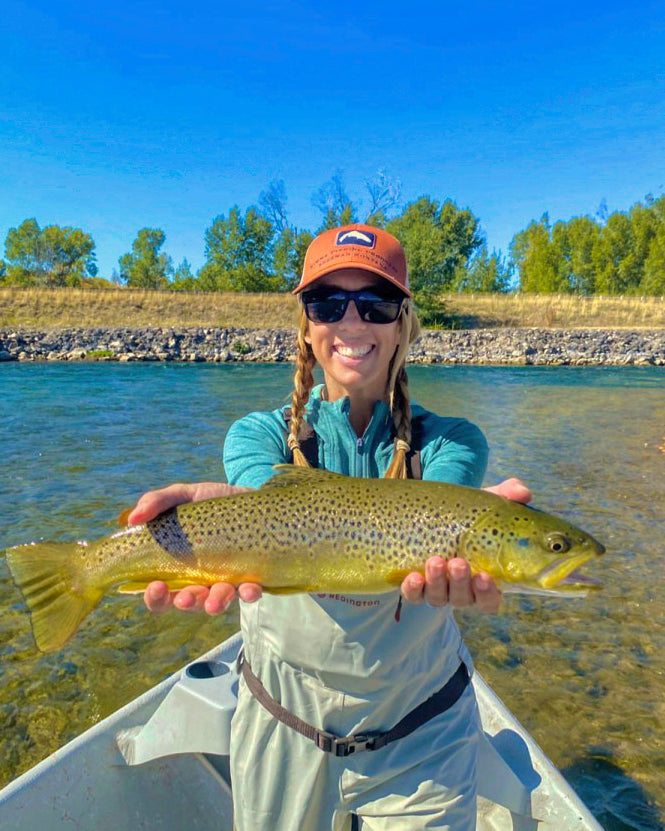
(347, 745)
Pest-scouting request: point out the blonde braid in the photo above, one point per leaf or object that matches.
(398, 392)
(303, 381)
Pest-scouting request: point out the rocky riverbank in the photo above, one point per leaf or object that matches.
(577, 347)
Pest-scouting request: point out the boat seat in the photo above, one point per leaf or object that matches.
(195, 716)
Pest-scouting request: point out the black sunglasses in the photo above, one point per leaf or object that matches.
(329, 306)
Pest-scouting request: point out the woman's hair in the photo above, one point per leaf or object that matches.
(397, 391)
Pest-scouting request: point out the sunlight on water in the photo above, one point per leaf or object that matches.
(586, 677)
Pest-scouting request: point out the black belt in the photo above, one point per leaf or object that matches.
(346, 745)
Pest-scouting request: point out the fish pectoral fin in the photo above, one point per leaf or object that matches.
(132, 588)
(123, 517)
(288, 589)
(139, 586)
(396, 577)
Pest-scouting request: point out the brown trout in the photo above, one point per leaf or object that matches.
(304, 531)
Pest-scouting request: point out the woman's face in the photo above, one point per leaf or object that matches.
(353, 354)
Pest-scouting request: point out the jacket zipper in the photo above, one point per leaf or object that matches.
(359, 456)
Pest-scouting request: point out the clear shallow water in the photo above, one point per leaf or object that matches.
(79, 443)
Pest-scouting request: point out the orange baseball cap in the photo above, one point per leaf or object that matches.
(356, 246)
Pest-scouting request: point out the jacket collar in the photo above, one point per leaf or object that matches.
(320, 408)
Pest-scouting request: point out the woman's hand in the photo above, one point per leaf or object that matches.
(214, 599)
(450, 582)
(513, 489)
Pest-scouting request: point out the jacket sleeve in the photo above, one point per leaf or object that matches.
(253, 445)
(453, 450)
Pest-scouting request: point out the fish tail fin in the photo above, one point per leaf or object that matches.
(50, 577)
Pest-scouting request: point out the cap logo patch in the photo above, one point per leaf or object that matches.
(366, 238)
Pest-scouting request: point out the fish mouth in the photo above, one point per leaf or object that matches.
(576, 580)
(564, 573)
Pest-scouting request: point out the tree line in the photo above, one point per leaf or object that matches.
(259, 249)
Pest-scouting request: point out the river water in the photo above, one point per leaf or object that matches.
(79, 443)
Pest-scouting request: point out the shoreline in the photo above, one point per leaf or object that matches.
(496, 346)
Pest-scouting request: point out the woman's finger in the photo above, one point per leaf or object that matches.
(413, 588)
(436, 581)
(249, 592)
(220, 598)
(487, 594)
(157, 597)
(191, 599)
(459, 583)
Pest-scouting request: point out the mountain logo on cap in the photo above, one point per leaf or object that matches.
(366, 238)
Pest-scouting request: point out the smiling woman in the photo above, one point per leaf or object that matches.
(354, 666)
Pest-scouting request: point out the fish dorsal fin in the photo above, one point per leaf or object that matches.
(291, 475)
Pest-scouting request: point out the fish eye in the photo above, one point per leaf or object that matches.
(558, 544)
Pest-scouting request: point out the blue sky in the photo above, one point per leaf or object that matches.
(117, 116)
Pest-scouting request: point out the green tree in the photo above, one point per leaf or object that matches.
(541, 264)
(53, 256)
(657, 205)
(239, 254)
(438, 239)
(145, 267)
(645, 223)
(614, 258)
(653, 280)
(289, 255)
(183, 279)
(484, 273)
(577, 240)
(628, 242)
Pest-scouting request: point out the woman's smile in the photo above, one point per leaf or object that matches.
(355, 353)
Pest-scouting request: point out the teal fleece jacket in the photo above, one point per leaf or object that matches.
(452, 449)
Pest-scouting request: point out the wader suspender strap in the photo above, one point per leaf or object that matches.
(346, 745)
(310, 447)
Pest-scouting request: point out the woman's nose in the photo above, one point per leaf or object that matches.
(352, 316)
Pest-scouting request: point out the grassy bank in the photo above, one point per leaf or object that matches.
(57, 308)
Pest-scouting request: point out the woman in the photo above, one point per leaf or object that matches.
(357, 664)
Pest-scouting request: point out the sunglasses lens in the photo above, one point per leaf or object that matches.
(325, 310)
(379, 310)
(372, 308)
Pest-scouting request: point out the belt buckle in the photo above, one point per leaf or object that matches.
(352, 744)
(347, 745)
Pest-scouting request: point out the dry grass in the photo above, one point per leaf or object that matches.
(556, 311)
(57, 308)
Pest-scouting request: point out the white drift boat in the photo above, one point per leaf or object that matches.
(161, 763)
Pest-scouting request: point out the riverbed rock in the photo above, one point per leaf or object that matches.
(517, 347)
